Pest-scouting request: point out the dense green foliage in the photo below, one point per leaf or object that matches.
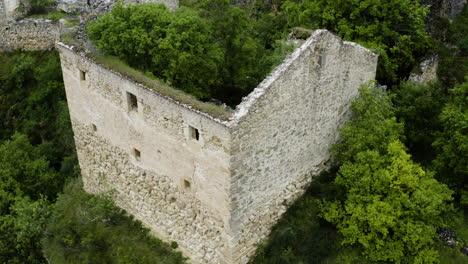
(32, 102)
(210, 52)
(418, 107)
(392, 207)
(177, 47)
(85, 228)
(36, 150)
(451, 46)
(372, 127)
(395, 29)
(451, 143)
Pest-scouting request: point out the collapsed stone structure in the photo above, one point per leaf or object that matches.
(216, 187)
(29, 34)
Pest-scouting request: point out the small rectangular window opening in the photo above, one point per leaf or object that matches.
(136, 154)
(194, 133)
(187, 184)
(82, 75)
(132, 102)
(93, 128)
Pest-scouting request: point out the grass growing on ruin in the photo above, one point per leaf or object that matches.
(115, 64)
(53, 15)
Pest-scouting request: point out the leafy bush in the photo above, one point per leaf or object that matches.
(451, 45)
(85, 228)
(418, 107)
(175, 46)
(392, 207)
(373, 125)
(21, 231)
(36, 150)
(451, 144)
(213, 52)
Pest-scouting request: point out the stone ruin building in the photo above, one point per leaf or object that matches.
(215, 186)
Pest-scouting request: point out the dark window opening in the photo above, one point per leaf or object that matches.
(93, 127)
(137, 154)
(194, 133)
(82, 75)
(132, 102)
(187, 184)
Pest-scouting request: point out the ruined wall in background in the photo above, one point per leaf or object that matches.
(89, 9)
(284, 129)
(174, 180)
(28, 34)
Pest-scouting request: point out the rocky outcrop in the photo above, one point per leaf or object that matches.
(426, 72)
(445, 8)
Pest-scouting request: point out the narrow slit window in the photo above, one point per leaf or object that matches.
(136, 154)
(82, 75)
(132, 102)
(93, 128)
(187, 184)
(194, 133)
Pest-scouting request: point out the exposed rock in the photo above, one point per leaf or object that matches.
(428, 71)
(464, 250)
(445, 8)
(447, 235)
(72, 6)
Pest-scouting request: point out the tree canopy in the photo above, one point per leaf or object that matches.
(392, 206)
(395, 29)
(210, 51)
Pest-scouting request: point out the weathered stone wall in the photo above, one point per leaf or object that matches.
(28, 34)
(151, 187)
(281, 133)
(91, 8)
(445, 8)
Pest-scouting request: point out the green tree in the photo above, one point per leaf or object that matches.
(451, 46)
(176, 47)
(32, 102)
(85, 228)
(451, 163)
(24, 172)
(392, 207)
(21, 231)
(240, 67)
(372, 127)
(395, 29)
(418, 107)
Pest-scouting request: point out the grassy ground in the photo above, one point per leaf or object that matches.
(52, 15)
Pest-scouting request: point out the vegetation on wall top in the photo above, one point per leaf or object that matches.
(210, 52)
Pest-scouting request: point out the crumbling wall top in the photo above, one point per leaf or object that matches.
(243, 108)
